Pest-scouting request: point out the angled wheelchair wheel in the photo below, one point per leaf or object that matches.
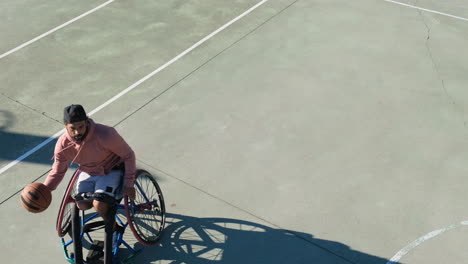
(146, 215)
(64, 217)
(75, 222)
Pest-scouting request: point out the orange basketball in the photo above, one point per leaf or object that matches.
(36, 197)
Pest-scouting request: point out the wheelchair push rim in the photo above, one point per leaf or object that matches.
(63, 224)
(146, 214)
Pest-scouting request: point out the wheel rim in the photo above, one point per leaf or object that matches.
(63, 220)
(146, 214)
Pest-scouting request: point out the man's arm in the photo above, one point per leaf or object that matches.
(59, 168)
(117, 145)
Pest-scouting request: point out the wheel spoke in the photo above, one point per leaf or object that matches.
(147, 210)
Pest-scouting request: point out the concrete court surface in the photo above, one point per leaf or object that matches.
(319, 131)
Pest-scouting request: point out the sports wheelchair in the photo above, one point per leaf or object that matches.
(145, 216)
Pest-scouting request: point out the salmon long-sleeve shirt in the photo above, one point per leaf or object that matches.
(101, 150)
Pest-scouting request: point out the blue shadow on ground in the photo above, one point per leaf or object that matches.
(230, 241)
(13, 145)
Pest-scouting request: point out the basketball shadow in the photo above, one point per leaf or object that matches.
(222, 240)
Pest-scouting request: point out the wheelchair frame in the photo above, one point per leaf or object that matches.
(70, 222)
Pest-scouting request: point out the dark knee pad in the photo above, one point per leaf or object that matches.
(105, 198)
(83, 196)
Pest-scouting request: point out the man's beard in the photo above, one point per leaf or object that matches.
(79, 138)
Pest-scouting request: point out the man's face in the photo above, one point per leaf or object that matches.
(77, 130)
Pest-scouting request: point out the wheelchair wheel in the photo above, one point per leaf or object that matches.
(146, 215)
(63, 224)
(75, 222)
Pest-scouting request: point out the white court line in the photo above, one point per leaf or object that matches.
(55, 29)
(27, 154)
(419, 241)
(177, 57)
(13, 163)
(404, 251)
(427, 10)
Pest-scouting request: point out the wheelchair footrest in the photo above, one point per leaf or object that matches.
(96, 253)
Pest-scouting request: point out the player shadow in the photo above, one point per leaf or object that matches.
(13, 144)
(193, 240)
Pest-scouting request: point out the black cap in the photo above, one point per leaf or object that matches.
(73, 114)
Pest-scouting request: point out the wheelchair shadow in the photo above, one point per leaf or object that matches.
(192, 240)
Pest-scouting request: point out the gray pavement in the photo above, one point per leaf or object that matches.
(307, 132)
(23, 20)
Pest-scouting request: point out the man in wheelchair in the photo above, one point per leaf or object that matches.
(102, 155)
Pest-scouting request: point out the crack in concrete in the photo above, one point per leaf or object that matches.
(30, 108)
(436, 68)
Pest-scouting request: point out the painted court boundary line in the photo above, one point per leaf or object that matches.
(423, 239)
(404, 251)
(427, 10)
(55, 29)
(162, 67)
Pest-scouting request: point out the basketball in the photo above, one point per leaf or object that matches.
(36, 197)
